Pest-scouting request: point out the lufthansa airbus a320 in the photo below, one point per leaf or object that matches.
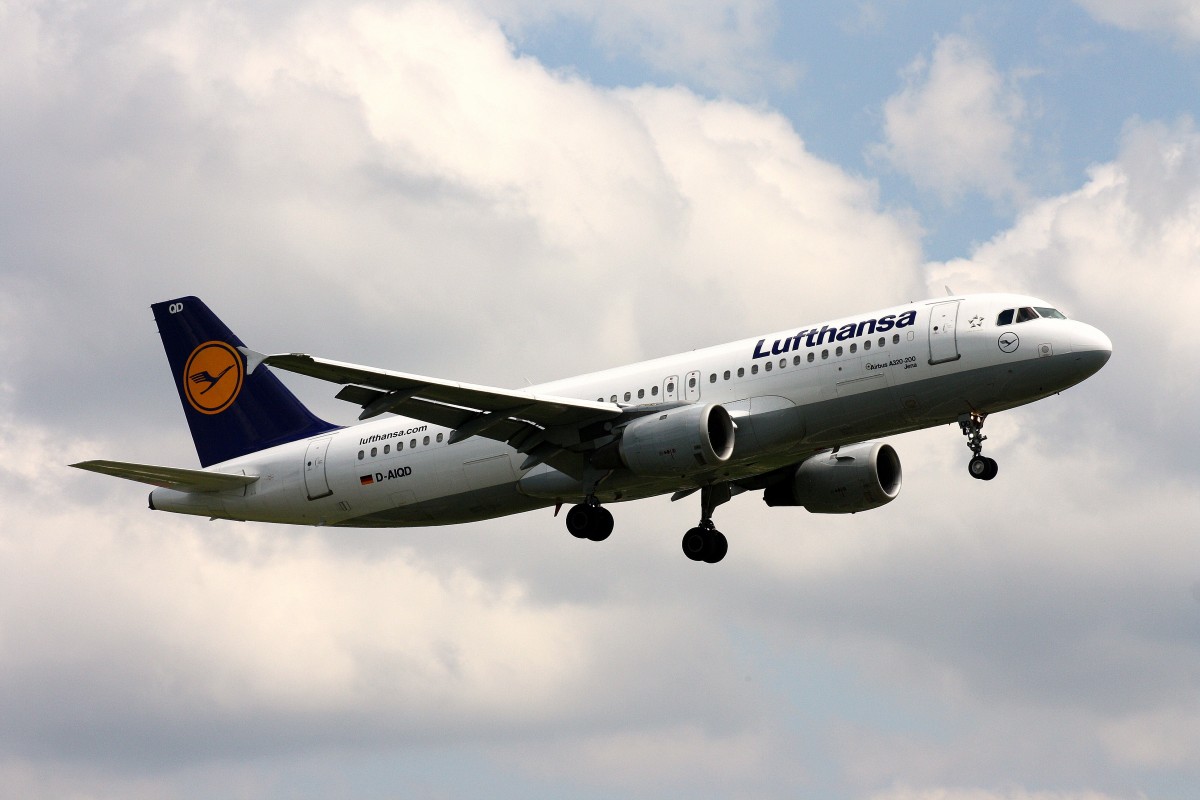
(792, 415)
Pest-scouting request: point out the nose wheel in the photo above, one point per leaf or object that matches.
(980, 466)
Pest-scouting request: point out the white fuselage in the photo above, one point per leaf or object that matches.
(791, 394)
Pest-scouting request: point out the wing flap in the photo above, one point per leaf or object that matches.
(183, 480)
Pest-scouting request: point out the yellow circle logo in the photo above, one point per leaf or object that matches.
(213, 377)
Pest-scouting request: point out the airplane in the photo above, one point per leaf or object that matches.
(794, 414)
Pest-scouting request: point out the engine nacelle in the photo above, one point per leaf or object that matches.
(681, 441)
(855, 478)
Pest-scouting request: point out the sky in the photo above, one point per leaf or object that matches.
(505, 192)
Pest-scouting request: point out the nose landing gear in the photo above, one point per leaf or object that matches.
(980, 466)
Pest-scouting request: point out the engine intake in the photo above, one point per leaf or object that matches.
(681, 441)
(855, 478)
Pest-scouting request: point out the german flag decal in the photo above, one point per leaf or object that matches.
(366, 480)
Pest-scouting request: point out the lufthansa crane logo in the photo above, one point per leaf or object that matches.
(1009, 342)
(213, 377)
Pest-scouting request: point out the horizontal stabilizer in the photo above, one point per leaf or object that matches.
(183, 480)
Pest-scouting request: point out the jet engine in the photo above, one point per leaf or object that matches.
(681, 441)
(843, 481)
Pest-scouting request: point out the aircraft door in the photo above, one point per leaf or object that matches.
(671, 389)
(315, 480)
(943, 338)
(691, 387)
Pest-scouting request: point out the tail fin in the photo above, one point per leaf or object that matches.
(231, 413)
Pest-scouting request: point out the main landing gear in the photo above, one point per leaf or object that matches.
(590, 520)
(980, 466)
(704, 542)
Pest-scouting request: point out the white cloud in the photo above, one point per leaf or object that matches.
(1119, 252)
(955, 127)
(712, 44)
(393, 185)
(1179, 18)
(983, 794)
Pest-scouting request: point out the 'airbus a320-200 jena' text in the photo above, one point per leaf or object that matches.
(790, 414)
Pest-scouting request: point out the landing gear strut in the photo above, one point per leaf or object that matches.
(980, 466)
(704, 542)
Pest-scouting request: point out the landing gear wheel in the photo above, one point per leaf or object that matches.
(694, 542)
(590, 522)
(579, 519)
(705, 544)
(602, 524)
(983, 468)
(717, 547)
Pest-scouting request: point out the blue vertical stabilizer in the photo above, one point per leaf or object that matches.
(231, 413)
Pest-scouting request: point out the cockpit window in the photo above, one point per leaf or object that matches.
(1050, 313)
(1005, 317)
(1026, 314)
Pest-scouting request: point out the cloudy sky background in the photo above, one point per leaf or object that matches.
(502, 191)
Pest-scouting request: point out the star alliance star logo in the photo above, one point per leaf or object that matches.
(976, 321)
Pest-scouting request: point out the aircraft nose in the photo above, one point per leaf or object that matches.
(1091, 344)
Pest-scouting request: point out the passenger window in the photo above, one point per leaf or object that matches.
(796, 361)
(853, 348)
(361, 455)
(895, 338)
(1005, 318)
(754, 369)
(628, 397)
(882, 341)
(726, 376)
(691, 383)
(412, 443)
(374, 452)
(782, 363)
(426, 441)
(612, 399)
(387, 448)
(768, 365)
(670, 387)
(838, 352)
(439, 437)
(1026, 314)
(741, 372)
(824, 354)
(712, 378)
(641, 393)
(399, 446)
(867, 345)
(654, 391)
(812, 357)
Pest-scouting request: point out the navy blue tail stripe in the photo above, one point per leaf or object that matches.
(229, 412)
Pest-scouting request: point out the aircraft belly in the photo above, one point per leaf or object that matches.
(465, 506)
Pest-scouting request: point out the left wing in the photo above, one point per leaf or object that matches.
(537, 425)
(183, 480)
